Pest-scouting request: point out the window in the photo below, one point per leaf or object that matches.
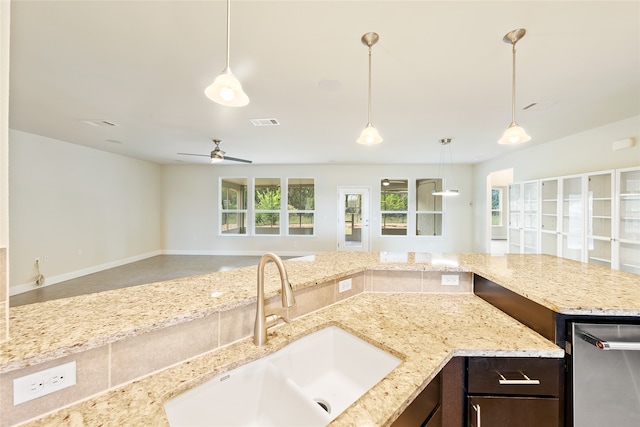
(394, 207)
(300, 205)
(496, 206)
(267, 205)
(233, 204)
(429, 208)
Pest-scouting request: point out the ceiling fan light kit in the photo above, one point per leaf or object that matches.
(217, 155)
(226, 88)
(514, 133)
(369, 135)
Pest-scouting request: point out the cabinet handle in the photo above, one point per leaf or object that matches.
(476, 407)
(525, 380)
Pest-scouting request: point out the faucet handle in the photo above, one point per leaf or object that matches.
(273, 319)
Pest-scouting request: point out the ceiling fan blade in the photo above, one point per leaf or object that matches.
(192, 154)
(234, 159)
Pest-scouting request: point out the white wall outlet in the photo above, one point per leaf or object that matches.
(450, 280)
(344, 285)
(44, 382)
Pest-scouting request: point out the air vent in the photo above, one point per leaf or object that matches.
(99, 123)
(265, 122)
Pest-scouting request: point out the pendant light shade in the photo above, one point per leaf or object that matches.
(514, 133)
(369, 135)
(226, 89)
(442, 169)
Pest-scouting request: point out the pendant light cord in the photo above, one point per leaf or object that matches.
(513, 85)
(369, 105)
(228, 31)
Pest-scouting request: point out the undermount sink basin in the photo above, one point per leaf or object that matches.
(307, 383)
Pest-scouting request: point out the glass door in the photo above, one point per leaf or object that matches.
(549, 217)
(599, 218)
(353, 219)
(572, 218)
(628, 221)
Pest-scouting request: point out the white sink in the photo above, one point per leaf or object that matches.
(307, 383)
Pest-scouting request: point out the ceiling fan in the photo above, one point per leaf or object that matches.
(217, 155)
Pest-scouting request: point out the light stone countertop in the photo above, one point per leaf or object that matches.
(424, 330)
(45, 331)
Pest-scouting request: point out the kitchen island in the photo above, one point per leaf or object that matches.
(425, 330)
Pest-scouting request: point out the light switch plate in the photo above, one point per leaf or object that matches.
(43, 382)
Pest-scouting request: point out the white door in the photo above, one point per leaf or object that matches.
(353, 219)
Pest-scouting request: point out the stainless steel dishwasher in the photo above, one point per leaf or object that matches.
(606, 375)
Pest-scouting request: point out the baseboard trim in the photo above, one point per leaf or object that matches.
(26, 287)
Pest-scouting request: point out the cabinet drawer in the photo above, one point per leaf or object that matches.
(515, 376)
(494, 411)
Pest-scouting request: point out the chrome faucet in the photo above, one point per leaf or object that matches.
(264, 322)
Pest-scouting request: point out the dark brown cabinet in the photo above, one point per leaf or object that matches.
(425, 410)
(505, 392)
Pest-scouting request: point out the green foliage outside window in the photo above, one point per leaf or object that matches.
(268, 199)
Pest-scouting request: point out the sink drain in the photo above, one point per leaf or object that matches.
(324, 405)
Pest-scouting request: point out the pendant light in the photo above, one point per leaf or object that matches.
(445, 143)
(369, 135)
(226, 89)
(514, 133)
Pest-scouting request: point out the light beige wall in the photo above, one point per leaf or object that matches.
(583, 152)
(82, 208)
(4, 168)
(191, 217)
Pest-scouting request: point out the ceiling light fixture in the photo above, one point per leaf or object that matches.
(386, 182)
(217, 155)
(226, 88)
(369, 135)
(514, 133)
(445, 143)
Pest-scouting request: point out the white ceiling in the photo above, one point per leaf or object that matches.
(440, 69)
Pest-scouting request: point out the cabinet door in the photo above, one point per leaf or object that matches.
(600, 218)
(572, 226)
(500, 411)
(549, 211)
(628, 221)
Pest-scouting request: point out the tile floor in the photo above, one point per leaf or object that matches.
(150, 270)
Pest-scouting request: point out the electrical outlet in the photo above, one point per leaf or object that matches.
(44, 382)
(344, 285)
(450, 280)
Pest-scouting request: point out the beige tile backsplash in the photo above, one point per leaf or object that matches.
(123, 361)
(143, 354)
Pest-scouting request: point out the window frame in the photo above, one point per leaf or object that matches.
(288, 211)
(241, 212)
(499, 210)
(255, 211)
(384, 212)
(435, 212)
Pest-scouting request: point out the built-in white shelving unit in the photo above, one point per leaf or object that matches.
(592, 217)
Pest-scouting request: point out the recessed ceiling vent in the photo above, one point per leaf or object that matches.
(265, 122)
(99, 123)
